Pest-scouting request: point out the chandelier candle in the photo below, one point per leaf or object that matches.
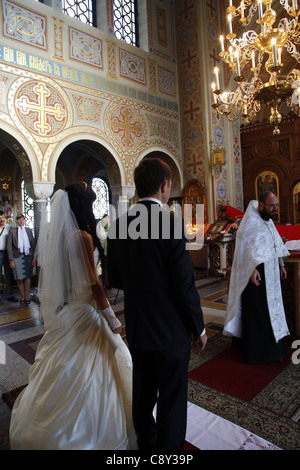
(273, 42)
(257, 32)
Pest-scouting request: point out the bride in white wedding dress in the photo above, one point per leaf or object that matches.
(79, 391)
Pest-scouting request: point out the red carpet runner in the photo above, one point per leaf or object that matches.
(227, 373)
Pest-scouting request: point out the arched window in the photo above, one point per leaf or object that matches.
(101, 204)
(83, 10)
(27, 207)
(124, 12)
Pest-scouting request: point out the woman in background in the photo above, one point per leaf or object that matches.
(20, 245)
(79, 391)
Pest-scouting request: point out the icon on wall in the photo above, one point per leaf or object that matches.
(268, 181)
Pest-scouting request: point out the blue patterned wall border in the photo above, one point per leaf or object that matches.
(37, 64)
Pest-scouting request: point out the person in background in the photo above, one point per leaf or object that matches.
(255, 314)
(20, 251)
(163, 314)
(4, 263)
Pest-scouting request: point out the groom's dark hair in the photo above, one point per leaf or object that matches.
(149, 175)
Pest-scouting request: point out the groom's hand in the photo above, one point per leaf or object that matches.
(200, 341)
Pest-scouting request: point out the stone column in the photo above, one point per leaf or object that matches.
(121, 198)
(39, 192)
(128, 193)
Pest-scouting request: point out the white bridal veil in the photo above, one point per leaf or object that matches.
(65, 272)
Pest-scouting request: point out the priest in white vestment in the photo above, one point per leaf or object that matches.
(255, 314)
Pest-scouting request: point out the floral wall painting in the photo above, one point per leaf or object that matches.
(296, 203)
(268, 181)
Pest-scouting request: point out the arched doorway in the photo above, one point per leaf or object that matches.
(176, 178)
(15, 171)
(84, 161)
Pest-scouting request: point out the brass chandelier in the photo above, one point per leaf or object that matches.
(258, 57)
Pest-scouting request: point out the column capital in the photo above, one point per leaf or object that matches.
(40, 190)
(125, 191)
(123, 194)
(128, 191)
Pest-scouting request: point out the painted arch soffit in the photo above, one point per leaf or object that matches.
(19, 152)
(94, 144)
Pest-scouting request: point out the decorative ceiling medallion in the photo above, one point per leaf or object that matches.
(125, 127)
(41, 108)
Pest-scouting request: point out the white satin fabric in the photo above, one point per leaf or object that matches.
(257, 242)
(79, 391)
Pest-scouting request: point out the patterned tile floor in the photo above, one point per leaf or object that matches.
(21, 329)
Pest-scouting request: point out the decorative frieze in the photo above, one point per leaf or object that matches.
(132, 67)
(85, 48)
(24, 25)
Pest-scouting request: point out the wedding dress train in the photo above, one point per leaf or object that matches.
(79, 391)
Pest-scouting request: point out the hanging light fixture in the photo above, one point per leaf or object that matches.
(259, 55)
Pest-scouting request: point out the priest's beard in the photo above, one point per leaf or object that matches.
(266, 215)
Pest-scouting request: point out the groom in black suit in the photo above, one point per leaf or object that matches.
(147, 258)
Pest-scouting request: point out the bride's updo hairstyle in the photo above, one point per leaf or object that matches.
(81, 199)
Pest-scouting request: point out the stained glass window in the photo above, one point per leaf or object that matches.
(124, 12)
(101, 204)
(28, 207)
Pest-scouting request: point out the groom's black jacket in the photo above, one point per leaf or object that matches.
(161, 301)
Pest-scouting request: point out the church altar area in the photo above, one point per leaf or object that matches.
(216, 258)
